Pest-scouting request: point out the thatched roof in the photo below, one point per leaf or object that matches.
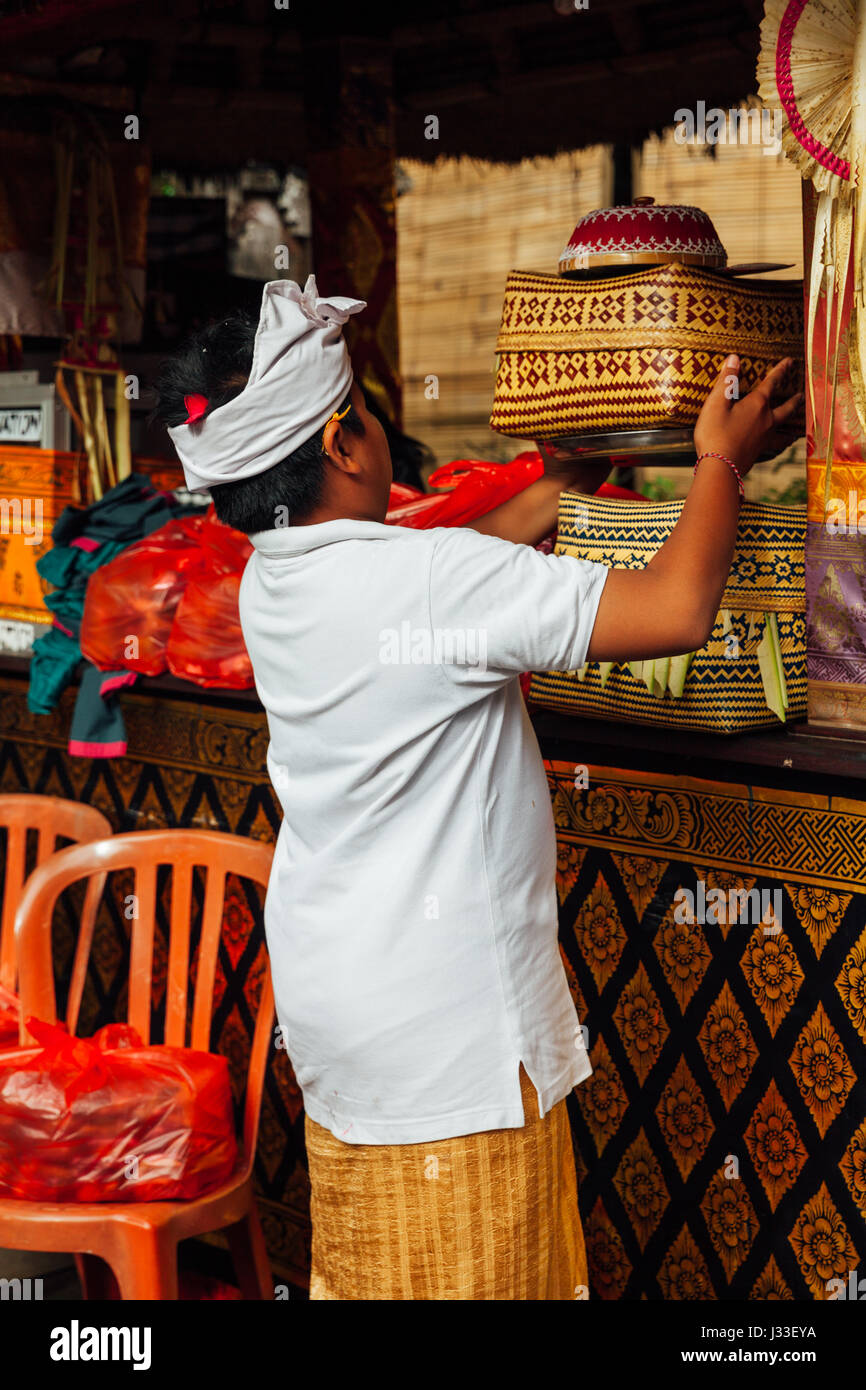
(218, 83)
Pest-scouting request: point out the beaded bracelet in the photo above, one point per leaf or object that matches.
(711, 454)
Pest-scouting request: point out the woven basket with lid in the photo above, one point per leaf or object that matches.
(639, 348)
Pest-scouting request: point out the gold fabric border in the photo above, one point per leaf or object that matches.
(846, 477)
(768, 569)
(799, 837)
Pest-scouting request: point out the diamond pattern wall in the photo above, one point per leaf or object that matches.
(721, 1140)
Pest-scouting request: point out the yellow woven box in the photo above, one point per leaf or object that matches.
(634, 351)
(724, 687)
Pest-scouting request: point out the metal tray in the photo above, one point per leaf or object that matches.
(674, 443)
(674, 448)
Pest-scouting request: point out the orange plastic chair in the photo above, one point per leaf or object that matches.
(52, 818)
(138, 1241)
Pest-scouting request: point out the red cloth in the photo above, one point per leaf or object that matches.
(106, 1119)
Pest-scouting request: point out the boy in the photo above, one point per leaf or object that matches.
(411, 913)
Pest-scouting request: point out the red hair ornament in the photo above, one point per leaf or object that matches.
(196, 407)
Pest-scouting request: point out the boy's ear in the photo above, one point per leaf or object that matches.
(334, 441)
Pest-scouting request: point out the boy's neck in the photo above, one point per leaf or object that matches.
(324, 513)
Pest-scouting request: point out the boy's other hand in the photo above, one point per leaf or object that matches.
(739, 426)
(578, 475)
(531, 515)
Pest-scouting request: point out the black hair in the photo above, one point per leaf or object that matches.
(215, 362)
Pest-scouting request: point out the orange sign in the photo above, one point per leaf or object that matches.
(35, 486)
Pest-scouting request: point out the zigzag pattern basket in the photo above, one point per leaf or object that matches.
(723, 693)
(635, 351)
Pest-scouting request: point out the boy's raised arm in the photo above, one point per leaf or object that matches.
(670, 606)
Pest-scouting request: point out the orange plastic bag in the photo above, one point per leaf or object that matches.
(130, 603)
(106, 1119)
(134, 602)
(206, 644)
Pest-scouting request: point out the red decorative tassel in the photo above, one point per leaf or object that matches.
(196, 408)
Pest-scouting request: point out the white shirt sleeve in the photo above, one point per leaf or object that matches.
(497, 607)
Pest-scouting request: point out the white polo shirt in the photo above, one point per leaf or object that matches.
(411, 914)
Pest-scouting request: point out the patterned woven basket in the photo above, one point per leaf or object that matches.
(636, 351)
(723, 691)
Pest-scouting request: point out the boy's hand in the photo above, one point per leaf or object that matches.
(739, 427)
(531, 515)
(578, 475)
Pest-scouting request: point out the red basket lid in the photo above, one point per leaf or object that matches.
(643, 233)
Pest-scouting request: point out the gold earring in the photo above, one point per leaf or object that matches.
(335, 416)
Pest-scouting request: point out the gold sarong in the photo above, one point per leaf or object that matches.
(483, 1216)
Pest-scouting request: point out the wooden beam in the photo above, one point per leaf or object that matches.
(90, 27)
(503, 19)
(506, 19)
(434, 99)
(576, 74)
(89, 93)
(220, 34)
(176, 29)
(670, 59)
(263, 100)
(158, 95)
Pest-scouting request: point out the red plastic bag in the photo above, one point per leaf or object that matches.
(206, 644)
(8, 1017)
(401, 493)
(469, 488)
(106, 1119)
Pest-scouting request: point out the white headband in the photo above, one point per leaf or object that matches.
(301, 372)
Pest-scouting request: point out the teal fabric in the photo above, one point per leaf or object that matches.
(97, 720)
(128, 512)
(55, 659)
(70, 574)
